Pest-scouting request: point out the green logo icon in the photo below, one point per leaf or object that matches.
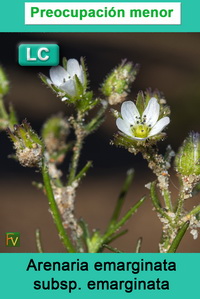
(12, 239)
(38, 54)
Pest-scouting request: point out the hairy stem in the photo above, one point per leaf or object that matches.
(77, 148)
(54, 210)
(157, 163)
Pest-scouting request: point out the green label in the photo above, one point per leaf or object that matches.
(13, 239)
(38, 54)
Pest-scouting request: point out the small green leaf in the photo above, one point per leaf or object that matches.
(123, 220)
(98, 119)
(79, 87)
(138, 245)
(85, 229)
(112, 248)
(154, 196)
(116, 236)
(12, 116)
(83, 171)
(38, 241)
(179, 237)
(121, 198)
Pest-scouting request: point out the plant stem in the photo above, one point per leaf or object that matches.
(195, 211)
(180, 205)
(121, 222)
(157, 163)
(121, 198)
(157, 205)
(54, 209)
(77, 148)
(83, 170)
(167, 199)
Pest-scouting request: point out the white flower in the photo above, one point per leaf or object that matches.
(65, 79)
(144, 126)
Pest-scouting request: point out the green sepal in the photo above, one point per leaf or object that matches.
(12, 116)
(44, 79)
(79, 88)
(94, 243)
(133, 145)
(31, 133)
(86, 103)
(140, 102)
(85, 72)
(64, 63)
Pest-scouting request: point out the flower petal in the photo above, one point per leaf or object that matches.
(69, 88)
(58, 74)
(138, 138)
(49, 81)
(73, 68)
(123, 126)
(159, 126)
(129, 112)
(152, 112)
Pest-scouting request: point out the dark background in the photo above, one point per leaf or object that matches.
(169, 62)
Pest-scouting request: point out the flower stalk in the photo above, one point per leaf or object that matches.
(159, 167)
(80, 134)
(54, 209)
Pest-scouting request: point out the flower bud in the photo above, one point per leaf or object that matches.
(4, 84)
(54, 134)
(117, 84)
(187, 160)
(29, 148)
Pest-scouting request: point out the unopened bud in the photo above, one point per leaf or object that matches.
(29, 148)
(187, 160)
(54, 134)
(117, 84)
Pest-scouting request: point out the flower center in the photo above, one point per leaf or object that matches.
(141, 131)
